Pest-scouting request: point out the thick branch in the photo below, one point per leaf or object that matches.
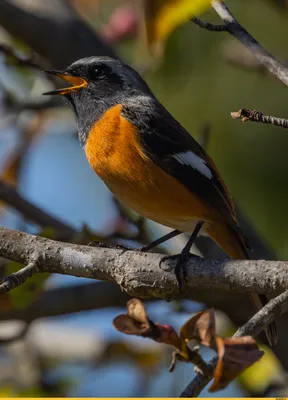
(245, 114)
(253, 327)
(139, 274)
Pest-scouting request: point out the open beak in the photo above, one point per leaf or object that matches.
(76, 82)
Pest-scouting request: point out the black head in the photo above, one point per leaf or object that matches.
(100, 77)
(98, 83)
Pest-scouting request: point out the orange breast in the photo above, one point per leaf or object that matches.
(113, 151)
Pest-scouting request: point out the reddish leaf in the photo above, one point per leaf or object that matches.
(168, 335)
(129, 326)
(122, 23)
(200, 327)
(235, 355)
(136, 322)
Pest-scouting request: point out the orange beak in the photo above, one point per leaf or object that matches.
(76, 81)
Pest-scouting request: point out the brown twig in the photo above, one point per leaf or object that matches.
(19, 277)
(246, 114)
(253, 327)
(208, 26)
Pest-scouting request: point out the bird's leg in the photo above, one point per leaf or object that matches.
(143, 249)
(180, 270)
(161, 240)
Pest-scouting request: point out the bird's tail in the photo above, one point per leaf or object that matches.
(233, 242)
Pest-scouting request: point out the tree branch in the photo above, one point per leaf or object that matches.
(253, 327)
(52, 29)
(140, 274)
(235, 29)
(245, 114)
(19, 277)
(30, 61)
(208, 26)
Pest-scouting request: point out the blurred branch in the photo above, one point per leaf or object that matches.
(246, 114)
(10, 196)
(52, 29)
(255, 325)
(235, 29)
(139, 274)
(238, 55)
(67, 300)
(16, 336)
(31, 61)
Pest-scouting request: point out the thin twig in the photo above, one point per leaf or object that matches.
(234, 28)
(208, 26)
(253, 327)
(201, 366)
(246, 114)
(19, 277)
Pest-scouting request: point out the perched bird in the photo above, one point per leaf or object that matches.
(148, 160)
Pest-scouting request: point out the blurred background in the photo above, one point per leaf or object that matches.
(56, 334)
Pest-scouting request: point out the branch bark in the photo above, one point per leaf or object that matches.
(140, 274)
(246, 114)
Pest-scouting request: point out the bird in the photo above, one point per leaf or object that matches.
(149, 161)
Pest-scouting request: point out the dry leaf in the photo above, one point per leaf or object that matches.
(136, 321)
(201, 327)
(163, 16)
(129, 326)
(137, 311)
(235, 355)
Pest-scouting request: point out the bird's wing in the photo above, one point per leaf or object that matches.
(174, 150)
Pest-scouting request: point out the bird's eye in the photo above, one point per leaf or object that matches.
(97, 73)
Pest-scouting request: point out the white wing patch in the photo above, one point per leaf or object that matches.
(192, 160)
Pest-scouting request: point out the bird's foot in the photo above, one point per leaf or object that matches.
(180, 267)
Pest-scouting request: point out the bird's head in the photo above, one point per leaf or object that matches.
(99, 78)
